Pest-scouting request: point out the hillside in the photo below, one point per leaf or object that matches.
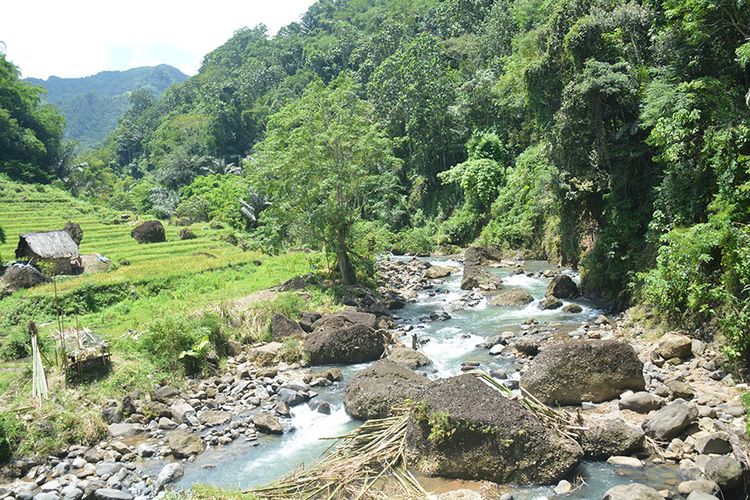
(92, 105)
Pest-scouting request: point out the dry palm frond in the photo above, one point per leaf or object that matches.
(559, 420)
(369, 455)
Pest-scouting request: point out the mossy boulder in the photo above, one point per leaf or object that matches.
(568, 373)
(511, 297)
(345, 345)
(562, 286)
(461, 428)
(375, 391)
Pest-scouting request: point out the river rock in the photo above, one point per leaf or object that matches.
(699, 495)
(701, 485)
(611, 436)
(625, 461)
(184, 444)
(408, 357)
(679, 388)
(511, 297)
(267, 423)
(181, 411)
(724, 470)
(670, 421)
(572, 309)
(342, 319)
(712, 443)
(266, 355)
(282, 327)
(346, 345)
(632, 491)
(169, 473)
(674, 345)
(374, 391)
(125, 430)
(461, 428)
(436, 272)
(562, 286)
(481, 278)
(212, 418)
(549, 303)
(568, 373)
(640, 402)
(112, 494)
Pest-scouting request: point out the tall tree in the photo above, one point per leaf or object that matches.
(322, 161)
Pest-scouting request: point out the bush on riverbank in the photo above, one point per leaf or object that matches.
(10, 430)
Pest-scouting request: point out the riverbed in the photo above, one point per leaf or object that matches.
(449, 343)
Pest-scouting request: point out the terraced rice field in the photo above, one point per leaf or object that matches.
(26, 208)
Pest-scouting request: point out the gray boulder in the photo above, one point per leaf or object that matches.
(550, 302)
(480, 256)
(282, 327)
(125, 430)
(462, 428)
(511, 297)
(612, 436)
(345, 345)
(632, 491)
(374, 391)
(572, 309)
(562, 286)
(169, 473)
(670, 421)
(674, 345)
(267, 423)
(481, 278)
(112, 494)
(712, 443)
(724, 470)
(408, 357)
(640, 402)
(184, 444)
(435, 272)
(568, 373)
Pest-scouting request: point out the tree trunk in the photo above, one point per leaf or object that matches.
(345, 264)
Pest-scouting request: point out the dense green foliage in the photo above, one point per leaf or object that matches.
(92, 105)
(30, 132)
(611, 135)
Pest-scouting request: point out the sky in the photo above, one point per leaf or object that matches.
(74, 38)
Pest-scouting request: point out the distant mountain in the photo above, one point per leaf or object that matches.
(92, 105)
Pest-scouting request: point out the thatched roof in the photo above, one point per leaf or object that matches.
(47, 245)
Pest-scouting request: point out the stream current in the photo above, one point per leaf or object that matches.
(448, 344)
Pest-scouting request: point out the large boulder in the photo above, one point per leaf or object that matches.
(435, 272)
(725, 471)
(640, 402)
(149, 232)
(481, 278)
(611, 436)
(345, 318)
(375, 391)
(344, 345)
(481, 256)
(408, 357)
(670, 421)
(512, 297)
(74, 230)
(462, 428)
(282, 327)
(562, 286)
(674, 345)
(20, 276)
(568, 373)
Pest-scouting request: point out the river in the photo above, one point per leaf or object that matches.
(449, 343)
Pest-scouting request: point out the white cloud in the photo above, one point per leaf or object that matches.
(81, 37)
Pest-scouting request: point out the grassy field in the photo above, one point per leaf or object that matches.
(174, 278)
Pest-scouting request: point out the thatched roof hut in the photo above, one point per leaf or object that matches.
(55, 246)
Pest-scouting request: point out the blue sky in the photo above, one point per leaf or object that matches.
(74, 38)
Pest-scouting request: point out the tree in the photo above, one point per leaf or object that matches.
(321, 163)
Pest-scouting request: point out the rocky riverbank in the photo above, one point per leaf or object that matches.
(635, 399)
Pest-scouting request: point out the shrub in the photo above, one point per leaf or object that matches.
(10, 433)
(415, 240)
(182, 343)
(17, 344)
(460, 228)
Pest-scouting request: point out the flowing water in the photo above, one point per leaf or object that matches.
(448, 343)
